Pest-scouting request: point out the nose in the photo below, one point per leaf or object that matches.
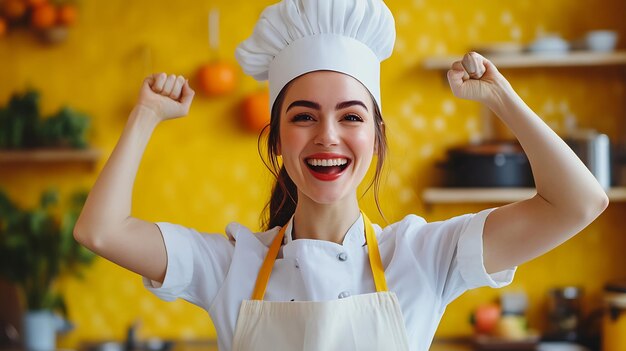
(327, 134)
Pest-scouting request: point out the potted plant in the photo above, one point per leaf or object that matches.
(35, 250)
(22, 126)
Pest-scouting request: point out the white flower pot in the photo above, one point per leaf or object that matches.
(40, 330)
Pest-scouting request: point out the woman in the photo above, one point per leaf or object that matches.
(322, 277)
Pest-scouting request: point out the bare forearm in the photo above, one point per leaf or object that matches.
(560, 177)
(109, 202)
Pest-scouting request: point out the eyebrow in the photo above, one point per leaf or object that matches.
(316, 106)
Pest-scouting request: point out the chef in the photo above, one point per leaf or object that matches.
(322, 276)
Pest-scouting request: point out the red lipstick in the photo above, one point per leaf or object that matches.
(327, 173)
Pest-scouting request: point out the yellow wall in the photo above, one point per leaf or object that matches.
(203, 171)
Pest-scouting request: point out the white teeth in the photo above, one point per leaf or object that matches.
(327, 162)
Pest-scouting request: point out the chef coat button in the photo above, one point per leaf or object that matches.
(344, 294)
(297, 264)
(342, 256)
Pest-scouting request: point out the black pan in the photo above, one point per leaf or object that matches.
(488, 164)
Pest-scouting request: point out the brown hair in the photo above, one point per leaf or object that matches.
(282, 204)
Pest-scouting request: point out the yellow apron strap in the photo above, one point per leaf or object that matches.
(374, 256)
(375, 262)
(268, 263)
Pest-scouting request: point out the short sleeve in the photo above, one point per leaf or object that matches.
(197, 265)
(467, 270)
(470, 256)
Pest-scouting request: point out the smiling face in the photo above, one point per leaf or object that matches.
(327, 135)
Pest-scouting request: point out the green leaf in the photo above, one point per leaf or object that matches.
(78, 199)
(5, 205)
(4, 128)
(24, 117)
(16, 132)
(85, 256)
(38, 221)
(57, 303)
(66, 128)
(48, 198)
(25, 104)
(16, 242)
(66, 234)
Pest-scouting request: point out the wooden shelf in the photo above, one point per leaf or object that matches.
(494, 195)
(49, 156)
(533, 60)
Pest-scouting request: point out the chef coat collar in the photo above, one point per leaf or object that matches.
(354, 236)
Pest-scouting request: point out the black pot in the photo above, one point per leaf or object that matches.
(489, 164)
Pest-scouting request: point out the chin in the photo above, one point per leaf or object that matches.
(327, 201)
(326, 197)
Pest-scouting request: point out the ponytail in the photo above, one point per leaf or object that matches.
(282, 204)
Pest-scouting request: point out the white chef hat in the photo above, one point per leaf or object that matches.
(294, 37)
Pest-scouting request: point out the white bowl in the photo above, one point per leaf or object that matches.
(551, 44)
(601, 40)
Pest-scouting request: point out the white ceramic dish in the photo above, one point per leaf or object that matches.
(601, 40)
(552, 44)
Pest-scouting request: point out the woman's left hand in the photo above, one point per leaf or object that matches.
(476, 78)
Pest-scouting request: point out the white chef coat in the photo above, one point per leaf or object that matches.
(427, 265)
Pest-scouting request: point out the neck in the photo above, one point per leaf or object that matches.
(328, 222)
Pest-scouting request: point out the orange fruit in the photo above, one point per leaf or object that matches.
(217, 78)
(44, 16)
(255, 110)
(67, 14)
(3, 27)
(14, 9)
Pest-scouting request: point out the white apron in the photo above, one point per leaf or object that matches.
(361, 322)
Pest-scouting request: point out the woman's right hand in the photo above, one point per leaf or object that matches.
(167, 96)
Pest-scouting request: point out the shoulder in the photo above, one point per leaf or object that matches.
(238, 234)
(414, 227)
(176, 235)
